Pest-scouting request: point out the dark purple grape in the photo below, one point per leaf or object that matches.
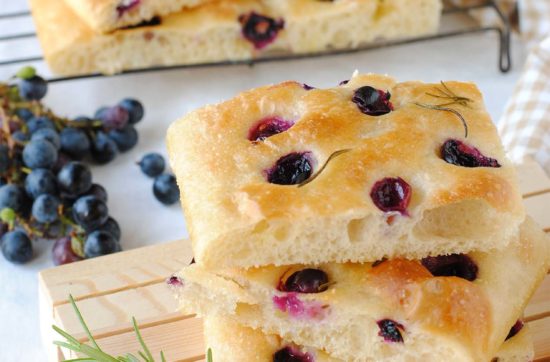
(33, 89)
(62, 160)
(24, 114)
(75, 178)
(458, 153)
(17, 247)
(165, 189)
(90, 212)
(134, 108)
(390, 330)
(391, 194)
(125, 138)
(126, 6)
(268, 127)
(260, 30)
(115, 117)
(454, 265)
(111, 226)
(100, 113)
(372, 101)
(291, 169)
(152, 164)
(4, 158)
(45, 209)
(74, 142)
(47, 134)
(104, 149)
(13, 197)
(100, 243)
(20, 137)
(63, 253)
(290, 354)
(39, 154)
(36, 123)
(306, 281)
(516, 328)
(98, 191)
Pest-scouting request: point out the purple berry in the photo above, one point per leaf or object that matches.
(260, 30)
(34, 88)
(174, 281)
(390, 330)
(372, 101)
(115, 117)
(454, 265)
(268, 127)
(516, 328)
(290, 354)
(291, 169)
(63, 253)
(126, 5)
(305, 281)
(134, 108)
(392, 194)
(458, 153)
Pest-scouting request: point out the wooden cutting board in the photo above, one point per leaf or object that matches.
(111, 289)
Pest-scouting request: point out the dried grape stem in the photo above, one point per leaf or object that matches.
(330, 158)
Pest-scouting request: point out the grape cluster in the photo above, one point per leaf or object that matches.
(165, 187)
(46, 185)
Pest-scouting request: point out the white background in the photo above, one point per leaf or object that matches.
(167, 96)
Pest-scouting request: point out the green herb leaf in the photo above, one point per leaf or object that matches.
(148, 356)
(94, 353)
(209, 355)
(26, 72)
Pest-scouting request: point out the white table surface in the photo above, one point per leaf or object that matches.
(167, 96)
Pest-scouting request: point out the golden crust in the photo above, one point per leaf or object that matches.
(237, 218)
(212, 32)
(467, 321)
(231, 342)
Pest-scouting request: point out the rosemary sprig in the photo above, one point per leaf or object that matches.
(330, 158)
(446, 109)
(94, 352)
(452, 98)
(209, 355)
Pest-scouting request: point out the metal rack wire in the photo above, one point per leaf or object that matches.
(473, 27)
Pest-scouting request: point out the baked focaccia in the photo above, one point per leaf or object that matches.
(458, 307)
(372, 168)
(226, 30)
(231, 342)
(108, 15)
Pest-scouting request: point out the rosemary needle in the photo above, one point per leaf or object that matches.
(94, 352)
(330, 158)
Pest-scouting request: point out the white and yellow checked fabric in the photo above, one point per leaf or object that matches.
(525, 124)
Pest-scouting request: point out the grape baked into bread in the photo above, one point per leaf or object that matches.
(109, 15)
(231, 342)
(226, 30)
(446, 308)
(286, 174)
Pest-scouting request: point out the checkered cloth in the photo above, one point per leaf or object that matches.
(525, 125)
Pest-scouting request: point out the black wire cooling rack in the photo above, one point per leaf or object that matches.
(456, 21)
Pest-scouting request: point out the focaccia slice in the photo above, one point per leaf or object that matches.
(226, 30)
(231, 342)
(446, 308)
(372, 168)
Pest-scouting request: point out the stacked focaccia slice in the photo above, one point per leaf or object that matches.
(453, 308)
(215, 31)
(235, 343)
(371, 221)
